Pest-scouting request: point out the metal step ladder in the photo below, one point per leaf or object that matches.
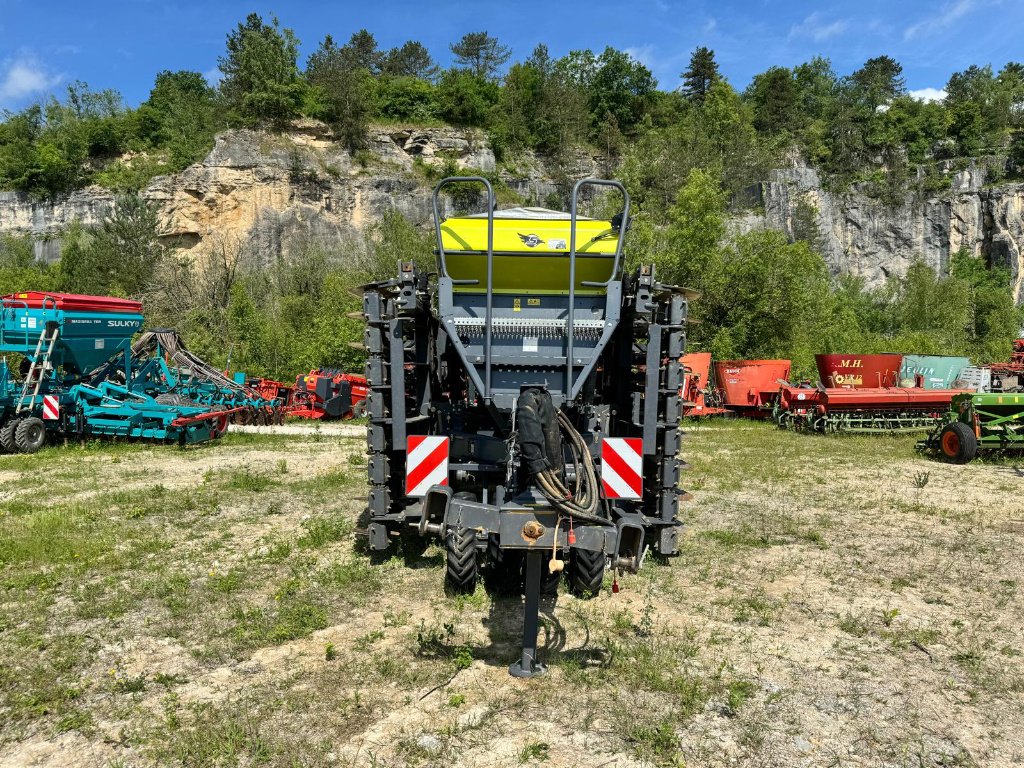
(39, 368)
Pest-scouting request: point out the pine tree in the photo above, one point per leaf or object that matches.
(700, 75)
(481, 54)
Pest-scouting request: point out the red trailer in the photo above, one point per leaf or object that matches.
(700, 398)
(864, 409)
(859, 371)
(750, 387)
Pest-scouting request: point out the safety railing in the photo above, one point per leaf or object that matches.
(571, 384)
(490, 263)
(570, 367)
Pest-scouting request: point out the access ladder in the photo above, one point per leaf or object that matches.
(38, 369)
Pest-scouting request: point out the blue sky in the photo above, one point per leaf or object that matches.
(122, 44)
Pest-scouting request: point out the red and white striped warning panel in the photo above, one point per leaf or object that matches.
(622, 464)
(51, 407)
(426, 464)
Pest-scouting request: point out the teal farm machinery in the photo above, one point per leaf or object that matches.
(64, 390)
(159, 364)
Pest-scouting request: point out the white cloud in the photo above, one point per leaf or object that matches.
(946, 17)
(213, 76)
(644, 54)
(709, 25)
(818, 28)
(928, 94)
(23, 77)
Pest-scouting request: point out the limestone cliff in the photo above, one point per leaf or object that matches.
(862, 236)
(270, 192)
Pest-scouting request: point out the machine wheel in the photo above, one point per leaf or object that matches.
(30, 435)
(460, 561)
(7, 434)
(504, 574)
(549, 581)
(958, 443)
(586, 572)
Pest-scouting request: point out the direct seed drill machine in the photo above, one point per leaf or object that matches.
(524, 402)
(62, 388)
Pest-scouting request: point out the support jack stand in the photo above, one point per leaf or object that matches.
(528, 666)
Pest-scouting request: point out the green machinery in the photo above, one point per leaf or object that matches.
(984, 421)
(61, 340)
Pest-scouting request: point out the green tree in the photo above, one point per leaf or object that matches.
(775, 101)
(933, 309)
(180, 115)
(19, 269)
(878, 82)
(119, 256)
(406, 98)
(343, 84)
(994, 320)
(361, 52)
(695, 233)
(411, 60)
(700, 75)
(261, 82)
(619, 88)
(481, 54)
(465, 99)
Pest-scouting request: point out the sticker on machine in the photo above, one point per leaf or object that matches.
(426, 464)
(622, 464)
(51, 407)
(530, 343)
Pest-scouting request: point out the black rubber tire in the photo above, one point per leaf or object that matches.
(548, 580)
(30, 435)
(958, 443)
(586, 572)
(7, 435)
(503, 576)
(461, 565)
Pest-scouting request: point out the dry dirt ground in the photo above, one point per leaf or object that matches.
(838, 602)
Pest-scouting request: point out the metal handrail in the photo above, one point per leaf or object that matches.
(14, 305)
(573, 211)
(443, 266)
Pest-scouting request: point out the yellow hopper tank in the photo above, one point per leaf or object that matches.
(531, 251)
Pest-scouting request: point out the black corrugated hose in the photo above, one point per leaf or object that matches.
(533, 411)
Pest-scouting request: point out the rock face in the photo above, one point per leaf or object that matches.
(272, 193)
(864, 237)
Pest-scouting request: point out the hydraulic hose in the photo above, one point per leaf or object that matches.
(538, 422)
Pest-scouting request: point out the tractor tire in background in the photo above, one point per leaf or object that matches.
(460, 561)
(30, 435)
(503, 575)
(586, 572)
(958, 443)
(7, 435)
